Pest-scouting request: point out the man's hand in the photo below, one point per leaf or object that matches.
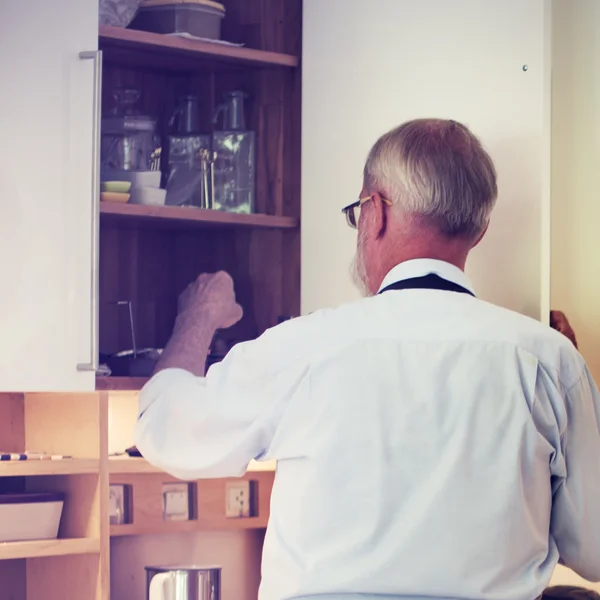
(559, 321)
(212, 298)
(206, 305)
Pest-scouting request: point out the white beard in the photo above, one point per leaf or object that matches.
(358, 269)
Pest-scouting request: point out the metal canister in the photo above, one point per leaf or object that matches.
(183, 583)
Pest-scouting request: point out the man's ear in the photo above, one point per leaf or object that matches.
(480, 237)
(378, 215)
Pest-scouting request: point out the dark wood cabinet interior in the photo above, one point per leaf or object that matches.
(148, 255)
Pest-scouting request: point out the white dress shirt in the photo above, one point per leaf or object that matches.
(429, 445)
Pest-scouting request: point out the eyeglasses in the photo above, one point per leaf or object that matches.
(350, 210)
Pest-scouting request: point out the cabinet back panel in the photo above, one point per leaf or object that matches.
(151, 267)
(273, 25)
(269, 109)
(84, 577)
(13, 578)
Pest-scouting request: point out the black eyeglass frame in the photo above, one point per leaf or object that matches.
(349, 210)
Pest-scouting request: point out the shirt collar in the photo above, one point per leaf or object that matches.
(420, 267)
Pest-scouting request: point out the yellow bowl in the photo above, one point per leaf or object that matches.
(121, 187)
(114, 197)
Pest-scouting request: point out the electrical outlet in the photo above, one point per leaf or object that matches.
(176, 501)
(239, 499)
(118, 504)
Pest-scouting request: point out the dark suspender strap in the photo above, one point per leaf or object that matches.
(429, 282)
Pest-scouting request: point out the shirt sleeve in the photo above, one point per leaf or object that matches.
(576, 503)
(203, 427)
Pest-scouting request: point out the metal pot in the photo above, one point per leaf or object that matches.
(134, 363)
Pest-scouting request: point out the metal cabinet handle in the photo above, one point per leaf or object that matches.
(96, 56)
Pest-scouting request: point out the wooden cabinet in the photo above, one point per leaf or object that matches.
(46, 168)
(86, 427)
(79, 558)
(368, 67)
(149, 255)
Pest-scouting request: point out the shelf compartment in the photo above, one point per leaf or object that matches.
(26, 468)
(75, 431)
(41, 548)
(143, 48)
(194, 217)
(122, 416)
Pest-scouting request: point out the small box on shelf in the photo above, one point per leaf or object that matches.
(82, 495)
(27, 516)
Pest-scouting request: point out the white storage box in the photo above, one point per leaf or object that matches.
(148, 196)
(137, 178)
(30, 516)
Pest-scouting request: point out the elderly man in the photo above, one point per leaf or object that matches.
(429, 444)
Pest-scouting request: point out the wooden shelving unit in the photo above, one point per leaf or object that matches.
(69, 425)
(42, 548)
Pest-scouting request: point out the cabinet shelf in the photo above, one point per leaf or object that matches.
(143, 48)
(123, 384)
(165, 216)
(26, 468)
(58, 547)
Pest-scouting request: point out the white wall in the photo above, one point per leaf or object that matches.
(575, 160)
(368, 66)
(575, 168)
(563, 576)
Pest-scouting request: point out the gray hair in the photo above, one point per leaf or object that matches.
(436, 170)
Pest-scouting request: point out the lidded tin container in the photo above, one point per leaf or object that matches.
(199, 18)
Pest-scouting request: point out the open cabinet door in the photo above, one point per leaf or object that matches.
(369, 66)
(47, 120)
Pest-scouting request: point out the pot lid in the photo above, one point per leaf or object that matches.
(209, 3)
